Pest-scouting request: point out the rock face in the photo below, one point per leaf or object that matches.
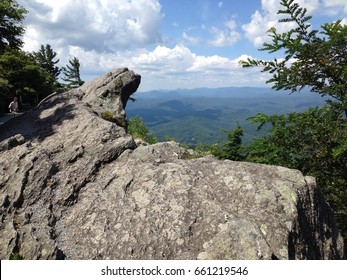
(75, 186)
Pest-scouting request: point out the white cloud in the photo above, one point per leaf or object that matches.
(211, 64)
(163, 59)
(262, 21)
(183, 68)
(220, 4)
(310, 5)
(98, 25)
(108, 34)
(256, 30)
(225, 37)
(169, 68)
(334, 7)
(191, 39)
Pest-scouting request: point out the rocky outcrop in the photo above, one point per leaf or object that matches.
(76, 186)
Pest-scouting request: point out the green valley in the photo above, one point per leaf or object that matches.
(199, 116)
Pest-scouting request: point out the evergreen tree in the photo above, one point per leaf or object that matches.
(21, 75)
(46, 58)
(317, 60)
(231, 149)
(72, 74)
(11, 28)
(315, 141)
(4, 91)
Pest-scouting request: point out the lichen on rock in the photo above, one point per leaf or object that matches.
(76, 186)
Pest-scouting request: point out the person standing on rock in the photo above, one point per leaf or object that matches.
(14, 106)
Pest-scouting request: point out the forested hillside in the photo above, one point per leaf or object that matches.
(313, 140)
(300, 123)
(199, 116)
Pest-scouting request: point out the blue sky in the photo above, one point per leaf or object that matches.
(170, 43)
(199, 24)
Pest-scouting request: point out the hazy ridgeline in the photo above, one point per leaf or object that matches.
(199, 116)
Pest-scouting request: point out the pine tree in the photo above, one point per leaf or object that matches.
(314, 141)
(231, 149)
(46, 58)
(72, 74)
(313, 59)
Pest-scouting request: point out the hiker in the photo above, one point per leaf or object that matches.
(13, 106)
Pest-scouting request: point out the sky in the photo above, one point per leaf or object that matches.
(170, 43)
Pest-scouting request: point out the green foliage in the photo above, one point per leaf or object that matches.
(46, 58)
(202, 150)
(315, 141)
(108, 116)
(16, 256)
(5, 95)
(313, 59)
(11, 28)
(169, 138)
(231, 149)
(29, 76)
(137, 129)
(211, 112)
(72, 74)
(20, 75)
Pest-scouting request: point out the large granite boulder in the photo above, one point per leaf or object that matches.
(75, 186)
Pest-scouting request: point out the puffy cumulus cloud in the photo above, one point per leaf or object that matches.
(170, 68)
(164, 61)
(262, 21)
(225, 37)
(102, 25)
(212, 65)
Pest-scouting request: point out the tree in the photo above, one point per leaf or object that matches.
(72, 74)
(11, 28)
(137, 129)
(314, 59)
(4, 91)
(310, 141)
(315, 141)
(232, 149)
(46, 58)
(20, 75)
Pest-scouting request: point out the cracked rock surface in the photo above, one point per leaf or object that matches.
(75, 186)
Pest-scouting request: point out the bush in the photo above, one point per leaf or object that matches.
(137, 129)
(108, 116)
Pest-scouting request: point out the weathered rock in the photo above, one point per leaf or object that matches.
(78, 187)
(113, 91)
(12, 142)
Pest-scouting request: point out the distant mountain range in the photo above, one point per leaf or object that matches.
(199, 116)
